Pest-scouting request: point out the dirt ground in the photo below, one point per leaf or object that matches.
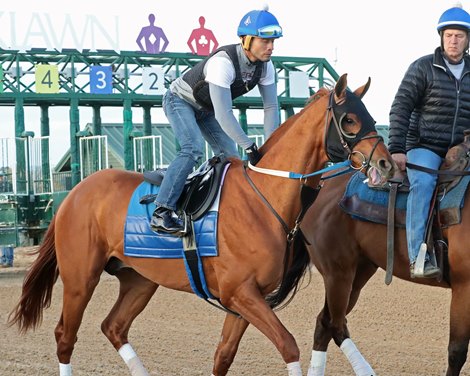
(402, 329)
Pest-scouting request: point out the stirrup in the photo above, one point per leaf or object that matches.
(420, 260)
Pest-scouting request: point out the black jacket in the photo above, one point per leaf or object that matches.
(431, 108)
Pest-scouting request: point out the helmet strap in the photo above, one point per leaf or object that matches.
(246, 42)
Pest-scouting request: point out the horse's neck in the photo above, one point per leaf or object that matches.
(300, 150)
(300, 147)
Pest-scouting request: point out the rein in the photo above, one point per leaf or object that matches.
(437, 172)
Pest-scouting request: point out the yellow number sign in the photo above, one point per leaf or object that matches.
(47, 79)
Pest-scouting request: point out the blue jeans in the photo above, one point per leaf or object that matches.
(191, 127)
(7, 256)
(422, 185)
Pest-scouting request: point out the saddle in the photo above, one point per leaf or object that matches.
(200, 190)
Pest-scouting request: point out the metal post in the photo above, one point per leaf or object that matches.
(21, 162)
(127, 131)
(147, 121)
(74, 150)
(45, 159)
(96, 121)
(289, 111)
(96, 130)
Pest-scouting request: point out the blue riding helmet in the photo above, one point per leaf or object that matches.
(261, 24)
(454, 18)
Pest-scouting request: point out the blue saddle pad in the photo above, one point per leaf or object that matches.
(356, 186)
(141, 241)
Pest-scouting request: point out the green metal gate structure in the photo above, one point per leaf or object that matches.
(96, 79)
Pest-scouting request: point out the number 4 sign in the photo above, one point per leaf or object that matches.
(101, 80)
(153, 81)
(47, 79)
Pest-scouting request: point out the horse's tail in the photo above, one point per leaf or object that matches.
(37, 285)
(293, 274)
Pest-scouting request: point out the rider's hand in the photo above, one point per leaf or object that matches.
(400, 160)
(253, 154)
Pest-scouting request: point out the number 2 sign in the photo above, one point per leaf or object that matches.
(101, 80)
(47, 79)
(153, 81)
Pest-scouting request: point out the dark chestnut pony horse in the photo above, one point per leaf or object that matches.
(347, 252)
(87, 232)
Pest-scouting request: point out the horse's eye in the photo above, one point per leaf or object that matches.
(348, 127)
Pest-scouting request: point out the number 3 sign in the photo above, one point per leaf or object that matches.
(101, 80)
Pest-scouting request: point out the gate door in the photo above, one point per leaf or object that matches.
(93, 155)
(148, 153)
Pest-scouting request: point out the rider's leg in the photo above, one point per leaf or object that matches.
(422, 186)
(182, 119)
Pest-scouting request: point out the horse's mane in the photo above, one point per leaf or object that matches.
(320, 93)
(291, 120)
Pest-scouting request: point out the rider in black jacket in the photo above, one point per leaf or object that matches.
(428, 116)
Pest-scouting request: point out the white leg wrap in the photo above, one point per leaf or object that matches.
(65, 369)
(294, 369)
(132, 360)
(317, 363)
(358, 363)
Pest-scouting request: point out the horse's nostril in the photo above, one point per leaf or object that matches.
(385, 165)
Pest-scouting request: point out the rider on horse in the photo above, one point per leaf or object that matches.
(430, 112)
(199, 105)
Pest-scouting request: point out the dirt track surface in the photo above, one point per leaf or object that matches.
(401, 329)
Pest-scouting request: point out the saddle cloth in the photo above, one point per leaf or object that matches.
(141, 241)
(368, 204)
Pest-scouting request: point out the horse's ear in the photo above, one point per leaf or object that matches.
(340, 88)
(360, 92)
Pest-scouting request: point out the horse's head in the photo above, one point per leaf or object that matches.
(350, 133)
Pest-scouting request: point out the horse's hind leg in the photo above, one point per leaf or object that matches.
(232, 333)
(459, 328)
(134, 294)
(78, 289)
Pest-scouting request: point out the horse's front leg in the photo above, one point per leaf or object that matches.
(342, 291)
(321, 338)
(232, 332)
(459, 328)
(250, 304)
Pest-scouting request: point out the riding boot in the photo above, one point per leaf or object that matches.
(166, 221)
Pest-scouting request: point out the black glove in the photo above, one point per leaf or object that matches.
(253, 154)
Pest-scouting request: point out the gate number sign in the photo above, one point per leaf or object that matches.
(153, 80)
(47, 78)
(101, 80)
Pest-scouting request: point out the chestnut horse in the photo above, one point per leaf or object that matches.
(347, 252)
(253, 249)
